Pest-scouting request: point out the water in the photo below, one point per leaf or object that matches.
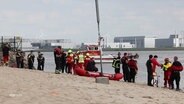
(141, 77)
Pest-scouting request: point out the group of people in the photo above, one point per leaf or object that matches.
(129, 66)
(67, 61)
(171, 71)
(20, 60)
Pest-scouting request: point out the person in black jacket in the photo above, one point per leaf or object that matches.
(30, 58)
(41, 61)
(176, 68)
(116, 63)
(91, 65)
(125, 68)
(149, 70)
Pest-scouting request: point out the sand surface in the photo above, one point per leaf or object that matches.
(23, 86)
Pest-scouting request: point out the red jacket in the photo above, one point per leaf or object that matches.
(155, 63)
(176, 66)
(132, 64)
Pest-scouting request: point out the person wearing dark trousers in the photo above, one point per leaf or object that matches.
(149, 66)
(176, 68)
(22, 59)
(116, 63)
(30, 58)
(132, 64)
(18, 58)
(41, 61)
(5, 50)
(125, 68)
(57, 57)
(63, 61)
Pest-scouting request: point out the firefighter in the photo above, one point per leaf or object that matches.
(69, 62)
(86, 60)
(116, 63)
(81, 60)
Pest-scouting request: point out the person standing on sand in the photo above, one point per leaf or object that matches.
(155, 63)
(132, 64)
(6, 49)
(57, 58)
(41, 61)
(116, 63)
(18, 58)
(149, 66)
(176, 68)
(30, 58)
(167, 72)
(126, 71)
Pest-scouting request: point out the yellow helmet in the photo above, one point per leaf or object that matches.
(87, 54)
(70, 51)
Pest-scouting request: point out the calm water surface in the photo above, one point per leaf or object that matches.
(143, 56)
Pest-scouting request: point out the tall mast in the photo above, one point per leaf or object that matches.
(99, 37)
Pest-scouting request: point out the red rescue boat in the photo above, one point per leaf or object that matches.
(81, 72)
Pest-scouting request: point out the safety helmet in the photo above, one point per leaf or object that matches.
(70, 51)
(87, 54)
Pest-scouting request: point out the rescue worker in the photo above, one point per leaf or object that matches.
(155, 63)
(125, 68)
(116, 63)
(76, 59)
(30, 58)
(132, 64)
(86, 60)
(175, 73)
(41, 61)
(6, 49)
(167, 72)
(69, 62)
(81, 60)
(18, 58)
(149, 66)
(57, 57)
(63, 61)
(91, 65)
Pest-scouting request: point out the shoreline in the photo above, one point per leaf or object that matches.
(23, 86)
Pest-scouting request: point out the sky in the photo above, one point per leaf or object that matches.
(76, 19)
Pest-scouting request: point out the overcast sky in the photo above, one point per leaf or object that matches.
(76, 19)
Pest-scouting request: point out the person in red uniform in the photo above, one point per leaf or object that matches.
(167, 72)
(57, 57)
(132, 64)
(86, 60)
(69, 62)
(155, 63)
(176, 68)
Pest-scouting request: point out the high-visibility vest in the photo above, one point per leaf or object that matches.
(167, 66)
(81, 58)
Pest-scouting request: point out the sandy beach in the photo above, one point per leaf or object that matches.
(23, 86)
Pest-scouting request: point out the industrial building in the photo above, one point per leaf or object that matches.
(174, 40)
(137, 41)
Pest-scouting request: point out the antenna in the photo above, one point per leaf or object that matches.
(99, 37)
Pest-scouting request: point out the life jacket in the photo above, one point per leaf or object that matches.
(69, 58)
(81, 58)
(167, 66)
(177, 66)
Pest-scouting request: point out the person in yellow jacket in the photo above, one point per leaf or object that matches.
(167, 72)
(81, 60)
